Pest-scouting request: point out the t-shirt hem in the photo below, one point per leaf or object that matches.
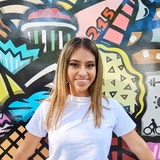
(35, 134)
(126, 131)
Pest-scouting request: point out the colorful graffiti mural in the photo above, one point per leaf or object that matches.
(32, 34)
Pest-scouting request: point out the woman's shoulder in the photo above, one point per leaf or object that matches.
(109, 102)
(44, 105)
(45, 102)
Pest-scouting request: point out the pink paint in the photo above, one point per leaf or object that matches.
(4, 118)
(121, 21)
(127, 9)
(155, 148)
(132, 1)
(90, 14)
(113, 36)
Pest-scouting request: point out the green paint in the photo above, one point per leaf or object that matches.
(35, 37)
(68, 36)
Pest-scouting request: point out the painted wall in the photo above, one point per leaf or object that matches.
(32, 34)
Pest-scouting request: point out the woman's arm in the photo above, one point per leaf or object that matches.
(138, 146)
(27, 148)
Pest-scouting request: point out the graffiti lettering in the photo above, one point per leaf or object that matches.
(93, 31)
(107, 13)
(101, 24)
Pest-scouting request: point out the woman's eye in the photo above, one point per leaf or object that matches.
(90, 65)
(74, 64)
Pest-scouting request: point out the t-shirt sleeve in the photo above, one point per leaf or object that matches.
(36, 125)
(124, 123)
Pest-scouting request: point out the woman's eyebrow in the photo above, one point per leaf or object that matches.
(75, 60)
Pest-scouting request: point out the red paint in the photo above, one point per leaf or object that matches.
(48, 13)
(114, 155)
(114, 141)
(126, 157)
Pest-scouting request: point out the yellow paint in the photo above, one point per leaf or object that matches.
(15, 88)
(66, 5)
(3, 91)
(130, 69)
(73, 1)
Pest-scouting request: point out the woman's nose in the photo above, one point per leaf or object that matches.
(82, 71)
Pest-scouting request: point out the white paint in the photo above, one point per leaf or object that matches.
(42, 24)
(133, 38)
(146, 54)
(158, 56)
(48, 69)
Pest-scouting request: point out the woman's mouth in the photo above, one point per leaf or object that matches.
(82, 81)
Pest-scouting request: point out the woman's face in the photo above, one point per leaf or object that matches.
(81, 72)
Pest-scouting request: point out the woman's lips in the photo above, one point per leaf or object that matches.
(82, 81)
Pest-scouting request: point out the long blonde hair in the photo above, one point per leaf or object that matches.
(60, 90)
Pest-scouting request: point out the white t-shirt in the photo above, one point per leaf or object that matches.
(78, 139)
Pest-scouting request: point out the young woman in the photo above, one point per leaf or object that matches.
(79, 120)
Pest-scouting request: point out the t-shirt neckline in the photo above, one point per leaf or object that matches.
(79, 99)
